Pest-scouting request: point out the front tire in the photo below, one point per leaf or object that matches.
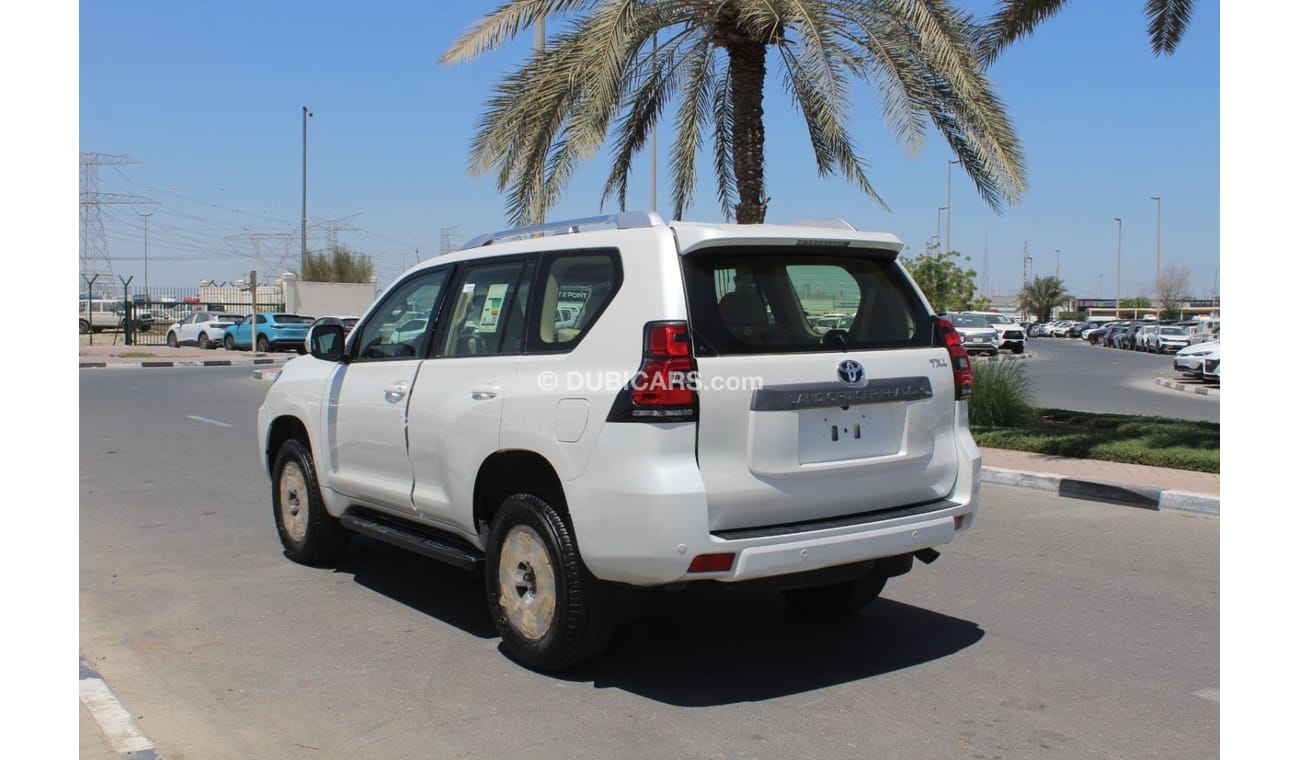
(544, 602)
(230, 343)
(204, 343)
(171, 340)
(309, 534)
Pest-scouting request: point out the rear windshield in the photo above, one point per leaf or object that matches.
(293, 319)
(774, 301)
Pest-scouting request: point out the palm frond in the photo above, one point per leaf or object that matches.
(1016, 19)
(501, 25)
(1168, 20)
(697, 89)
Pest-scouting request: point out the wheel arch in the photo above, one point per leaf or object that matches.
(514, 471)
(284, 428)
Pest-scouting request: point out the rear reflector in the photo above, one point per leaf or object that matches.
(958, 521)
(711, 563)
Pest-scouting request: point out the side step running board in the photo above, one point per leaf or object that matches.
(414, 539)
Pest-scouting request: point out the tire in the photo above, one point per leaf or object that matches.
(229, 342)
(836, 599)
(171, 339)
(1018, 348)
(263, 345)
(204, 343)
(84, 327)
(544, 602)
(309, 534)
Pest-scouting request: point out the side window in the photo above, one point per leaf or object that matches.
(396, 329)
(489, 298)
(576, 288)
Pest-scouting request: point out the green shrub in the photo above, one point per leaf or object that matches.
(1000, 395)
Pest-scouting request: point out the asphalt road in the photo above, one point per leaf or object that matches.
(1073, 374)
(1054, 628)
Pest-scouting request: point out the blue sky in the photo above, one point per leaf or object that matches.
(207, 96)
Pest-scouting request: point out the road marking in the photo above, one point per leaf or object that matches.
(115, 721)
(1210, 694)
(210, 422)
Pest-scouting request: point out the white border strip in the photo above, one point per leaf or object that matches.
(114, 720)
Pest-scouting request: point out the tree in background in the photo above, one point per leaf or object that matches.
(338, 264)
(941, 276)
(1042, 295)
(621, 64)
(1166, 22)
(1172, 288)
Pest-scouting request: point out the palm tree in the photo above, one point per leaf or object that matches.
(1042, 295)
(620, 64)
(1166, 22)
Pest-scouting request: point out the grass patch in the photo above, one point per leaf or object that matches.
(135, 355)
(1000, 395)
(1155, 441)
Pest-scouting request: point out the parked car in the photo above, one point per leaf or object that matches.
(274, 332)
(1145, 337)
(1090, 327)
(99, 314)
(205, 329)
(1011, 334)
(1127, 339)
(1114, 331)
(977, 335)
(1170, 339)
(1190, 361)
(509, 449)
(1060, 329)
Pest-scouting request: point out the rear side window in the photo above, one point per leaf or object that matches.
(575, 288)
(775, 301)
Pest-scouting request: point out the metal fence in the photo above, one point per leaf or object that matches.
(142, 318)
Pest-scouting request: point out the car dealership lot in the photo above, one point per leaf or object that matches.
(1105, 644)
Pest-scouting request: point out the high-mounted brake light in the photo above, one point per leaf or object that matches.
(962, 375)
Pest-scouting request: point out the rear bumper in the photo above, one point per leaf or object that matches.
(643, 525)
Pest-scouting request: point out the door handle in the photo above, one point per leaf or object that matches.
(396, 391)
(485, 392)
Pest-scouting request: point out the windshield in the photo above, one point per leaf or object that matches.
(292, 319)
(998, 319)
(1173, 331)
(968, 320)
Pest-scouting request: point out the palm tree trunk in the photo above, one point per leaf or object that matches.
(748, 69)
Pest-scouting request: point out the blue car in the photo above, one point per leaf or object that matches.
(274, 332)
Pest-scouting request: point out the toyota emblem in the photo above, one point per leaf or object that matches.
(852, 374)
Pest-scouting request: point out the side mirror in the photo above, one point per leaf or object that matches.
(325, 341)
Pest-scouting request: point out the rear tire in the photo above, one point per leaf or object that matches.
(309, 534)
(263, 345)
(84, 327)
(544, 602)
(836, 599)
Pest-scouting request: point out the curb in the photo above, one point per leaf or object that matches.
(1003, 358)
(1127, 495)
(123, 734)
(1200, 390)
(182, 363)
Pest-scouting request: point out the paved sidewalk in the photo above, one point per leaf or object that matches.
(107, 355)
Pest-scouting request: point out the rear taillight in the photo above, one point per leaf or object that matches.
(663, 388)
(962, 376)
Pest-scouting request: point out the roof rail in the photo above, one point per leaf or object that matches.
(622, 220)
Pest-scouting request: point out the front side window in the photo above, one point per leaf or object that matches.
(766, 300)
(396, 329)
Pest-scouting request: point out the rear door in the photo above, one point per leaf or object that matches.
(800, 421)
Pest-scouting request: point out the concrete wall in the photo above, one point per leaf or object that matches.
(322, 299)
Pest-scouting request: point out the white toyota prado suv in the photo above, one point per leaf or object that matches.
(599, 406)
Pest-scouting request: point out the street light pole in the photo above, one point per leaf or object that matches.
(949, 206)
(938, 222)
(1119, 242)
(1156, 198)
(302, 270)
(146, 252)
(1058, 264)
